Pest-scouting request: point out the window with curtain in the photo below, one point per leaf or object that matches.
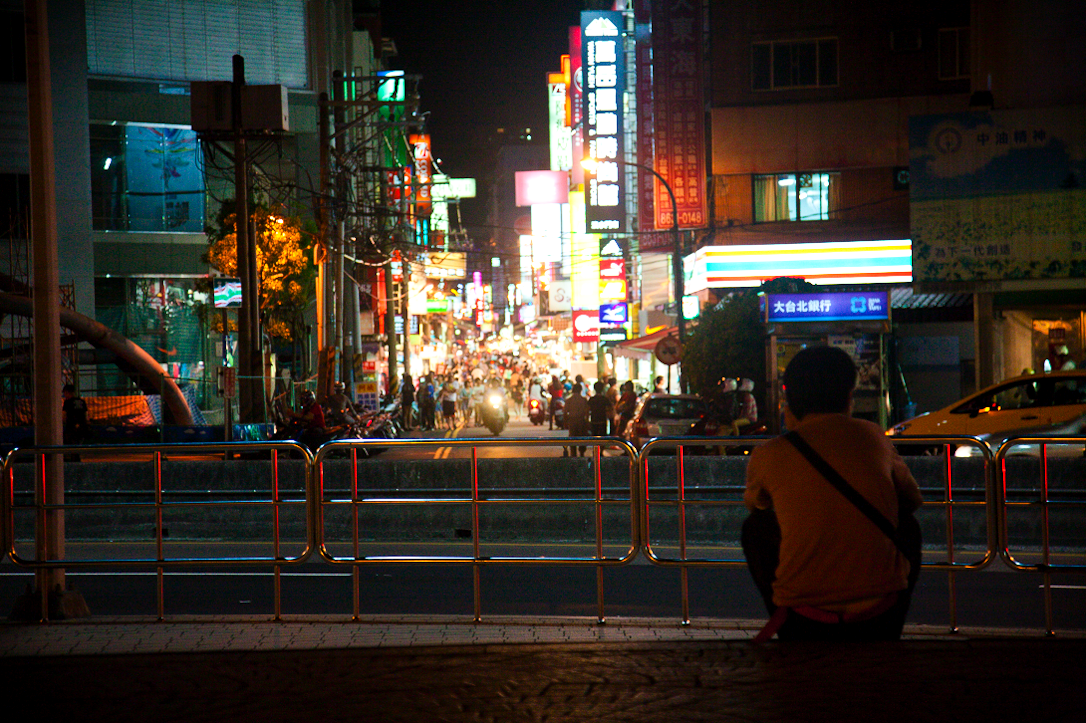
(796, 197)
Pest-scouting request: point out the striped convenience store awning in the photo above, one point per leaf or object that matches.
(836, 263)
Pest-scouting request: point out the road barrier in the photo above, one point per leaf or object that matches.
(673, 503)
(1045, 501)
(475, 495)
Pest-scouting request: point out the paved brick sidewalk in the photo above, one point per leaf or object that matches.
(518, 670)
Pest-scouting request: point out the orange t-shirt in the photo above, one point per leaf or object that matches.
(831, 553)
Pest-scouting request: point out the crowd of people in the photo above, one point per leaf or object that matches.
(454, 396)
(444, 400)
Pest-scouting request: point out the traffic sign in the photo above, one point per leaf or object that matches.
(668, 350)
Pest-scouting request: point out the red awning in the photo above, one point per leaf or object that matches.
(643, 346)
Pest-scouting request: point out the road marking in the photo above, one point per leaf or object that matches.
(1063, 587)
(445, 452)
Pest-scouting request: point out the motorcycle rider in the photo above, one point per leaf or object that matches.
(555, 389)
(723, 407)
(747, 405)
(341, 410)
(494, 387)
(535, 394)
(310, 418)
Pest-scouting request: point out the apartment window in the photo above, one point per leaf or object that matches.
(794, 64)
(796, 197)
(953, 53)
(14, 204)
(146, 178)
(12, 47)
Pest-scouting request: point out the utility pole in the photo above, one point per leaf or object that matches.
(250, 368)
(46, 306)
(341, 195)
(390, 321)
(325, 221)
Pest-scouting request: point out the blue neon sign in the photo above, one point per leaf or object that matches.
(838, 306)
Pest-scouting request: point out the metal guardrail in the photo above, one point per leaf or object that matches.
(157, 504)
(1043, 500)
(682, 503)
(644, 502)
(478, 499)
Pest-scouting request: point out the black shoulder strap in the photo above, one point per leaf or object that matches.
(846, 489)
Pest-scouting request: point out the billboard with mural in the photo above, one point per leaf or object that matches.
(998, 195)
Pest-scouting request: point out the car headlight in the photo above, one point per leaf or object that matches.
(495, 400)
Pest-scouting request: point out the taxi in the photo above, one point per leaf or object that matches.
(1031, 405)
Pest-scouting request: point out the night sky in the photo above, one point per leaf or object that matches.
(483, 65)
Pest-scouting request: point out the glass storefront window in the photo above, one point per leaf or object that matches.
(146, 178)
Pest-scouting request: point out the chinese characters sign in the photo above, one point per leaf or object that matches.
(998, 195)
(603, 68)
(678, 112)
(855, 306)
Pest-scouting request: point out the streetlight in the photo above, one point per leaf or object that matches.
(590, 165)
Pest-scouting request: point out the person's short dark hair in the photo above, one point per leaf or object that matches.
(599, 387)
(68, 388)
(819, 379)
(576, 388)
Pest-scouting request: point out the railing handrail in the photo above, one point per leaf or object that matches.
(640, 503)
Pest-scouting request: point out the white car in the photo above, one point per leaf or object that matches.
(664, 415)
(1032, 405)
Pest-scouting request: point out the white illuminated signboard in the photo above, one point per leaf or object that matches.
(604, 82)
(547, 231)
(561, 142)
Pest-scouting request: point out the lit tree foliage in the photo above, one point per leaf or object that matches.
(283, 261)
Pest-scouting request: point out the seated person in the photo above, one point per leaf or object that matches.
(825, 569)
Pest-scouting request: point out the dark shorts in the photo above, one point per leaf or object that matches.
(448, 409)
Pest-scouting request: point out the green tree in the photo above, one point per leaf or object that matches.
(730, 339)
(283, 259)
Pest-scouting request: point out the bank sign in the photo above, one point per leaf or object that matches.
(848, 306)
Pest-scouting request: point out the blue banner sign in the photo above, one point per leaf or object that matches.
(613, 313)
(847, 306)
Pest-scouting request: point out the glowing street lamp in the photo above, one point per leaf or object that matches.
(590, 165)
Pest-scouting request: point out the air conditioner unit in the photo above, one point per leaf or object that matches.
(264, 107)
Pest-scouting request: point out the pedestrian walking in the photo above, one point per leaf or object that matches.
(600, 409)
(576, 412)
(407, 402)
